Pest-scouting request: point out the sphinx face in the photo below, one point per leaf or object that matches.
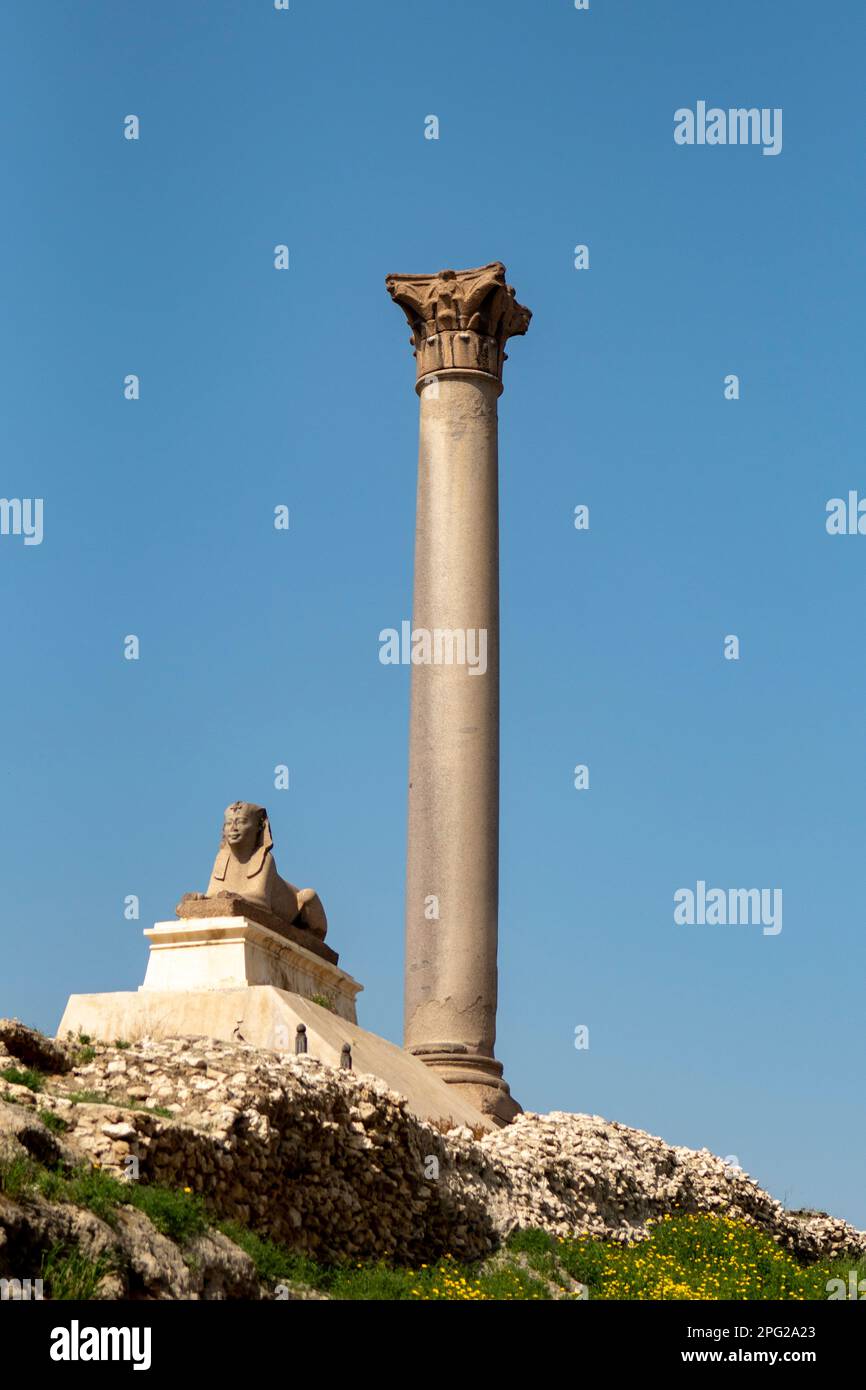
(241, 827)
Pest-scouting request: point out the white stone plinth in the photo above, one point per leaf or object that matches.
(268, 1018)
(210, 953)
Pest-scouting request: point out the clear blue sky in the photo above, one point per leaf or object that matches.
(261, 387)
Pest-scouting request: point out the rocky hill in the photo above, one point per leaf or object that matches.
(323, 1161)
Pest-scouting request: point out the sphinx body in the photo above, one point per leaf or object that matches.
(245, 867)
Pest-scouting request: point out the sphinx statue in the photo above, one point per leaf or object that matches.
(245, 873)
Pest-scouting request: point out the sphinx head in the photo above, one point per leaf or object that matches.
(246, 830)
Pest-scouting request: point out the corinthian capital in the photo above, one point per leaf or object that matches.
(460, 319)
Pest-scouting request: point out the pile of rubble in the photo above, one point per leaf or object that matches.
(331, 1164)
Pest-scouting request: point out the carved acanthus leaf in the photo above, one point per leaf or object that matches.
(460, 319)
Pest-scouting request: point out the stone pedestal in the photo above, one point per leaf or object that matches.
(235, 979)
(266, 1017)
(232, 952)
(460, 322)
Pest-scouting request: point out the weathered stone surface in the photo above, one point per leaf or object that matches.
(22, 1135)
(267, 1018)
(210, 1266)
(31, 1048)
(231, 952)
(245, 866)
(31, 1229)
(582, 1173)
(460, 319)
(138, 1261)
(194, 906)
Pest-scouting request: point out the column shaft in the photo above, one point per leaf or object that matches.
(453, 842)
(460, 322)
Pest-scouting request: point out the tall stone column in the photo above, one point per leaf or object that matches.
(460, 322)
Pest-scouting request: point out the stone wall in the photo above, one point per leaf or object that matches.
(334, 1164)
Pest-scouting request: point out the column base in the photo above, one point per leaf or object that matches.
(477, 1078)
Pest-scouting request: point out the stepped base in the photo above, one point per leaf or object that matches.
(478, 1079)
(268, 1017)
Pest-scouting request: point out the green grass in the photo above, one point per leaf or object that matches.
(122, 1102)
(685, 1257)
(17, 1177)
(70, 1274)
(86, 1187)
(180, 1215)
(52, 1121)
(380, 1282)
(697, 1257)
(274, 1263)
(23, 1076)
